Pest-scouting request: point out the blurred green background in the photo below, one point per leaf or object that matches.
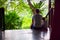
(18, 14)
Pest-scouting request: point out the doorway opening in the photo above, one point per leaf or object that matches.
(18, 14)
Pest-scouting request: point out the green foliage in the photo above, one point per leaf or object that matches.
(42, 7)
(18, 14)
(12, 20)
(38, 5)
(2, 2)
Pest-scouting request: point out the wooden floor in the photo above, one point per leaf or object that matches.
(26, 34)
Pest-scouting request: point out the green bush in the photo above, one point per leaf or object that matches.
(12, 20)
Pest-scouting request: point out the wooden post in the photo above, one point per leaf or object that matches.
(2, 24)
(55, 35)
(49, 12)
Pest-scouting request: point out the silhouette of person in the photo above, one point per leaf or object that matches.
(36, 19)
